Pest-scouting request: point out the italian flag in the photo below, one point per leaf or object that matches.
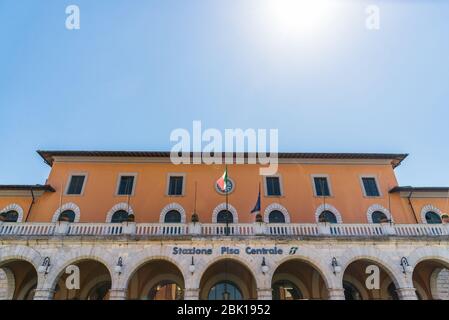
(223, 181)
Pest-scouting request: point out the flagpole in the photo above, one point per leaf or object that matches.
(227, 209)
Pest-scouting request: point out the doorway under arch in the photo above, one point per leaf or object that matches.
(228, 279)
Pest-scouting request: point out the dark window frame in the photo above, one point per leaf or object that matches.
(76, 190)
(273, 190)
(126, 190)
(321, 189)
(370, 187)
(279, 213)
(177, 188)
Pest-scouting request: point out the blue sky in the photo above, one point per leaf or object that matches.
(136, 70)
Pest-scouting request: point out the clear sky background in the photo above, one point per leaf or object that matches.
(136, 70)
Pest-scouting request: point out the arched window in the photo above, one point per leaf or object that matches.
(433, 218)
(327, 216)
(67, 215)
(165, 290)
(10, 216)
(351, 292)
(173, 216)
(379, 216)
(286, 290)
(225, 290)
(393, 295)
(276, 216)
(225, 216)
(119, 216)
(100, 291)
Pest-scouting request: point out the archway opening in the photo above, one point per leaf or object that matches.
(228, 279)
(18, 280)
(368, 280)
(156, 280)
(297, 280)
(94, 282)
(431, 280)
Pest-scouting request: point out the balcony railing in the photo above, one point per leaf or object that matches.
(216, 229)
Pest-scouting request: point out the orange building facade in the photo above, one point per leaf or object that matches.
(137, 226)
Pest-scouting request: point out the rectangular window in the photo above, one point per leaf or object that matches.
(175, 186)
(126, 185)
(370, 185)
(76, 185)
(273, 186)
(321, 187)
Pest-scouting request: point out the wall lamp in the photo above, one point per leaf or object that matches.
(118, 268)
(406, 267)
(264, 266)
(45, 267)
(192, 266)
(335, 266)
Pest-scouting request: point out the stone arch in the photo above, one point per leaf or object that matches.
(314, 263)
(377, 207)
(7, 284)
(18, 253)
(246, 265)
(377, 257)
(222, 206)
(173, 206)
(136, 263)
(429, 253)
(67, 206)
(119, 206)
(278, 207)
(14, 207)
(428, 208)
(327, 207)
(76, 256)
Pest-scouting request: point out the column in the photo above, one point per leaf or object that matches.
(264, 294)
(336, 293)
(407, 293)
(43, 294)
(191, 294)
(118, 294)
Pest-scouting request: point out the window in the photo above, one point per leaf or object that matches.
(165, 290)
(273, 186)
(286, 290)
(276, 216)
(327, 216)
(225, 216)
(172, 216)
(378, 217)
(76, 185)
(175, 185)
(370, 187)
(10, 216)
(67, 215)
(321, 187)
(433, 218)
(225, 290)
(119, 216)
(126, 185)
(351, 293)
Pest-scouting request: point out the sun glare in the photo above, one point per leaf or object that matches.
(298, 17)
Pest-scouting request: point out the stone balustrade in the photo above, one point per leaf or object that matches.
(217, 229)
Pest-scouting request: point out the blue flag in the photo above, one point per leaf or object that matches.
(257, 206)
